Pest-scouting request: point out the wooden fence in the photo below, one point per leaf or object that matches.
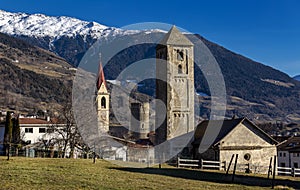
(203, 164)
(217, 165)
(295, 172)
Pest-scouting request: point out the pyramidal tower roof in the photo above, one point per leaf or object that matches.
(101, 77)
(175, 37)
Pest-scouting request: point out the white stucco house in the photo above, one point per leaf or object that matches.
(289, 153)
(37, 132)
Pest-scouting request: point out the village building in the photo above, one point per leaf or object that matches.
(236, 136)
(38, 134)
(32, 129)
(289, 153)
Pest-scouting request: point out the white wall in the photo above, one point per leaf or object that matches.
(288, 158)
(283, 158)
(33, 137)
(295, 158)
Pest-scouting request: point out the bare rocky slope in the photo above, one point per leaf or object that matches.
(32, 78)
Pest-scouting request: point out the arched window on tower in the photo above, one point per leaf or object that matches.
(103, 102)
(179, 69)
(180, 55)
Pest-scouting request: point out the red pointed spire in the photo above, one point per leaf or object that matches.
(101, 78)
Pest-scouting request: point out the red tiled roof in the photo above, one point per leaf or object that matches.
(36, 121)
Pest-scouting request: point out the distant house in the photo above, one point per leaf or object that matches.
(34, 129)
(37, 132)
(236, 136)
(289, 153)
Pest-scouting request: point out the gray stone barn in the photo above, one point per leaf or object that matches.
(236, 136)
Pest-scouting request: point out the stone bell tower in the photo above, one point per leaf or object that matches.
(102, 101)
(174, 86)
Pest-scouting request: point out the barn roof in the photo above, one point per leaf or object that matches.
(226, 127)
(292, 144)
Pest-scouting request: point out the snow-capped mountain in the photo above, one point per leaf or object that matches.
(39, 25)
(66, 36)
(57, 33)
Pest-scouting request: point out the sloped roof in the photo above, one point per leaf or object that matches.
(175, 37)
(101, 77)
(292, 144)
(226, 128)
(34, 121)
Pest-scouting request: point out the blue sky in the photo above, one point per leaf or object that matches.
(266, 31)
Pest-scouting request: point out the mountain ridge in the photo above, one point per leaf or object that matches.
(253, 89)
(297, 77)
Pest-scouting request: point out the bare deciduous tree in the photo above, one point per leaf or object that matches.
(65, 134)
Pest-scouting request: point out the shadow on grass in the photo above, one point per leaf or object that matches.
(216, 177)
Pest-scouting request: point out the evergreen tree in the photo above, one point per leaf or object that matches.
(8, 133)
(16, 134)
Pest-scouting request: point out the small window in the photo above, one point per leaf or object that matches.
(280, 154)
(28, 130)
(42, 130)
(282, 164)
(179, 69)
(247, 156)
(296, 165)
(284, 154)
(103, 102)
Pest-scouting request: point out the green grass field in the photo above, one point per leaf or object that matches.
(42, 173)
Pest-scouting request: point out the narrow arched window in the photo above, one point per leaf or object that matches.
(103, 102)
(179, 69)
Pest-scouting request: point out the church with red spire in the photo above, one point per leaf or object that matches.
(102, 101)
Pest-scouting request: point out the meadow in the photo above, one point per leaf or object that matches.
(43, 173)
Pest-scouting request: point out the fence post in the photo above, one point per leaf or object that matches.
(270, 168)
(178, 161)
(234, 169)
(293, 172)
(229, 164)
(224, 165)
(274, 172)
(248, 168)
(201, 163)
